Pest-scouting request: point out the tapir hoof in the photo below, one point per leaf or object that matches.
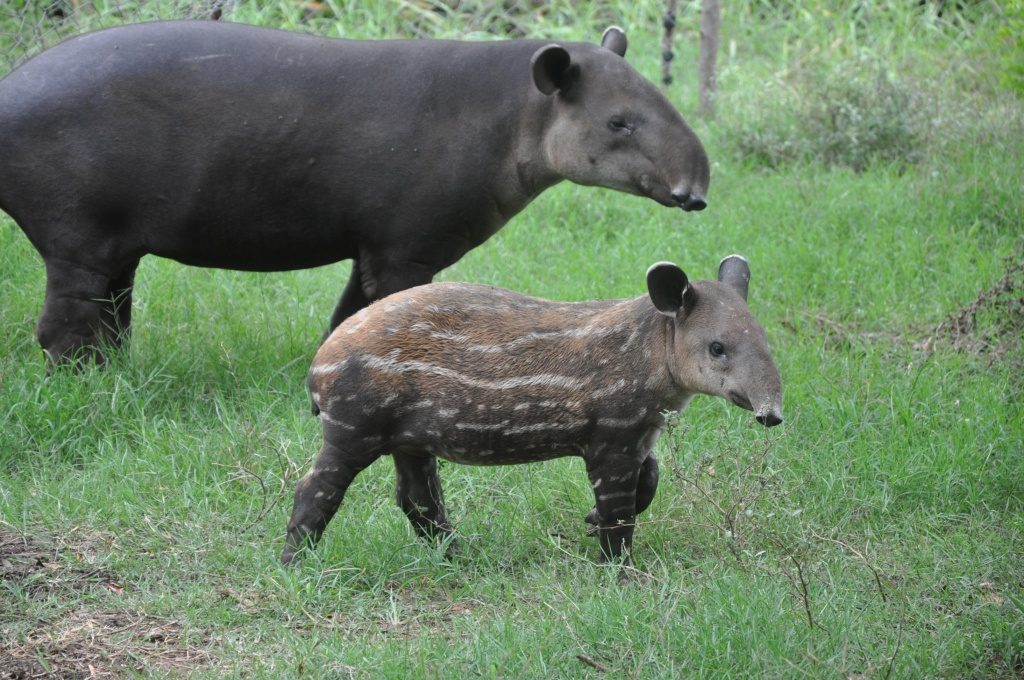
(592, 521)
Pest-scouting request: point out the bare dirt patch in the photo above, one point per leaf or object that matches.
(74, 639)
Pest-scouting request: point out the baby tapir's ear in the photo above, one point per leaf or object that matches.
(668, 286)
(733, 271)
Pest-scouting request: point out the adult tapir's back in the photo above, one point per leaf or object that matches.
(252, 148)
(234, 146)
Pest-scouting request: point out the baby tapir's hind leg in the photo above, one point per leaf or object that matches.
(320, 492)
(646, 487)
(419, 495)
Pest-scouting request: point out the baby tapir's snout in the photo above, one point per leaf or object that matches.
(485, 376)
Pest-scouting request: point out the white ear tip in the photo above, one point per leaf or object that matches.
(729, 257)
(663, 263)
(610, 29)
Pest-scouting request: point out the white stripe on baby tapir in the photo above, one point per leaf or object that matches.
(337, 423)
(585, 332)
(423, 403)
(623, 422)
(390, 365)
(321, 369)
(609, 390)
(481, 427)
(540, 427)
(447, 412)
(355, 322)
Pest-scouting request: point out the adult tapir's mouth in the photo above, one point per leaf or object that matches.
(673, 198)
(740, 400)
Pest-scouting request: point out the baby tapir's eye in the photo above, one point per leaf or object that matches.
(716, 349)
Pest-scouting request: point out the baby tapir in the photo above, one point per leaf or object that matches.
(485, 376)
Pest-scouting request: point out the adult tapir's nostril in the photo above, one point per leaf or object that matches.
(689, 201)
(768, 419)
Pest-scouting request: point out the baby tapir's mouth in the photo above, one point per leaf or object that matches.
(740, 400)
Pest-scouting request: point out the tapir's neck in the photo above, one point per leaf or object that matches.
(646, 350)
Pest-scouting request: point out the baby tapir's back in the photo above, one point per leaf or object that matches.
(486, 376)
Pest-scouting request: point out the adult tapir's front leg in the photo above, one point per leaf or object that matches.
(614, 480)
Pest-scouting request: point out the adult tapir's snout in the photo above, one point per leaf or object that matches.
(688, 200)
(609, 126)
(768, 409)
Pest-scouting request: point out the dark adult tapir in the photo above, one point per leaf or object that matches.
(225, 145)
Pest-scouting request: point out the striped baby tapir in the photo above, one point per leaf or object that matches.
(485, 376)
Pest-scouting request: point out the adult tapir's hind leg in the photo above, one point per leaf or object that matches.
(71, 323)
(319, 494)
(352, 299)
(374, 278)
(418, 490)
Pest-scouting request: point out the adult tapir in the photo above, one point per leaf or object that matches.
(226, 145)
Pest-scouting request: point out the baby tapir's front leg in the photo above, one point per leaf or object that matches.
(646, 487)
(614, 478)
(419, 495)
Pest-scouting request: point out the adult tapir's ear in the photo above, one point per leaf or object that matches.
(734, 271)
(614, 39)
(668, 287)
(553, 69)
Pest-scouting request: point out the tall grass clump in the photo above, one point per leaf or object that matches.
(856, 84)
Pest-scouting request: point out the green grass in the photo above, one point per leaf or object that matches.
(879, 534)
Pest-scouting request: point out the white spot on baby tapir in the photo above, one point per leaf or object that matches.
(520, 407)
(421, 326)
(597, 483)
(447, 412)
(619, 478)
(616, 494)
(485, 452)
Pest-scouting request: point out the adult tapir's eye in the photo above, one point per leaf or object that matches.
(716, 349)
(619, 124)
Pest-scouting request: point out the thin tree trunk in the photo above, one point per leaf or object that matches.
(669, 23)
(710, 23)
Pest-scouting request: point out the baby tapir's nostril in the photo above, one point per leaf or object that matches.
(690, 201)
(769, 419)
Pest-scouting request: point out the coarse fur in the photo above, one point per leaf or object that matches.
(485, 376)
(225, 145)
